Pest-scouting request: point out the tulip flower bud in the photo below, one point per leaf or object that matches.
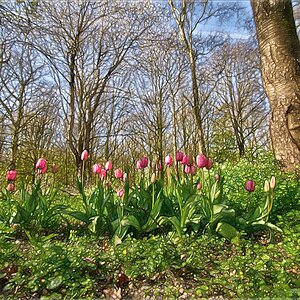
(118, 173)
(185, 160)
(139, 165)
(144, 162)
(102, 174)
(199, 186)
(217, 177)
(11, 187)
(84, 155)
(273, 183)
(11, 175)
(41, 166)
(179, 156)
(96, 169)
(209, 163)
(120, 193)
(201, 161)
(125, 176)
(250, 186)
(193, 170)
(169, 160)
(108, 166)
(267, 186)
(187, 169)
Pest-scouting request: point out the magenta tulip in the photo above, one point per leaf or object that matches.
(169, 160)
(11, 175)
(193, 170)
(96, 169)
(139, 165)
(187, 169)
(201, 161)
(41, 163)
(185, 160)
(118, 173)
(102, 174)
(108, 166)
(84, 155)
(120, 193)
(199, 186)
(209, 163)
(179, 156)
(250, 186)
(11, 187)
(144, 161)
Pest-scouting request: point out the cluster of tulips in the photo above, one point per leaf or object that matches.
(188, 167)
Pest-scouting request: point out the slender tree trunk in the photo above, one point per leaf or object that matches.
(280, 65)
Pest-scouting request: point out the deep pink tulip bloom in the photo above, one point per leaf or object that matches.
(209, 164)
(139, 165)
(41, 166)
(144, 161)
(201, 161)
(193, 170)
(250, 186)
(179, 156)
(199, 186)
(185, 160)
(120, 193)
(108, 166)
(187, 169)
(11, 187)
(96, 169)
(43, 170)
(118, 173)
(11, 175)
(41, 163)
(169, 160)
(84, 155)
(102, 174)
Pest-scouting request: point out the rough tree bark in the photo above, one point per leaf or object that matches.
(280, 66)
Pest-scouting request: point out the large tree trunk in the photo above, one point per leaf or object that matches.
(280, 59)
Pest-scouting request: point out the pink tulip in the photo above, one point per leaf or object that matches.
(201, 161)
(187, 169)
(193, 170)
(11, 175)
(41, 164)
(179, 156)
(118, 173)
(11, 187)
(250, 186)
(43, 170)
(217, 177)
(139, 165)
(84, 155)
(209, 163)
(108, 166)
(185, 160)
(169, 160)
(102, 174)
(199, 186)
(120, 193)
(144, 161)
(96, 169)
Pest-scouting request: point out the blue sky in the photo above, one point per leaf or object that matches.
(231, 27)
